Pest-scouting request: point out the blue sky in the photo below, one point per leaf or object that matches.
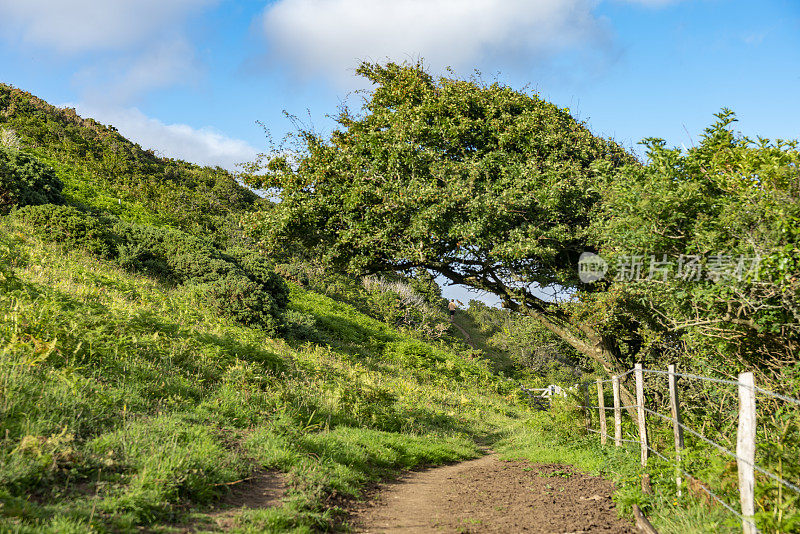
(190, 78)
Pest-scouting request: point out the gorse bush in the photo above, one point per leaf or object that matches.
(245, 301)
(262, 272)
(238, 284)
(25, 180)
(70, 227)
(242, 285)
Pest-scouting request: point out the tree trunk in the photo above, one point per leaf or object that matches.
(599, 348)
(602, 349)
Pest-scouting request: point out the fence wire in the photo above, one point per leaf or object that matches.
(777, 396)
(763, 391)
(626, 373)
(611, 407)
(609, 436)
(730, 453)
(696, 377)
(707, 490)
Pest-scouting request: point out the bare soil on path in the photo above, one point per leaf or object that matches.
(490, 495)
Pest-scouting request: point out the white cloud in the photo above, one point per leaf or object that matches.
(90, 25)
(204, 146)
(123, 78)
(329, 37)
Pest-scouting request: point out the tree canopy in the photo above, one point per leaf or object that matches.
(479, 183)
(488, 186)
(500, 190)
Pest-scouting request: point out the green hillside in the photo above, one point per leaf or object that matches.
(102, 170)
(150, 363)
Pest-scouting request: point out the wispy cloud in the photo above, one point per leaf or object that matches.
(330, 37)
(88, 25)
(203, 146)
(123, 78)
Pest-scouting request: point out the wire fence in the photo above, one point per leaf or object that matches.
(745, 436)
(698, 483)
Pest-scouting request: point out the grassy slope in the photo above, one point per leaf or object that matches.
(125, 402)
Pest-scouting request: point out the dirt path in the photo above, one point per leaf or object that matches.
(489, 495)
(466, 335)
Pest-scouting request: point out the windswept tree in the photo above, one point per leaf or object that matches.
(489, 187)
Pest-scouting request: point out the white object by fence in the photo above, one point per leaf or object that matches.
(552, 390)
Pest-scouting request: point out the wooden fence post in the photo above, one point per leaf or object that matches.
(746, 449)
(677, 429)
(640, 411)
(586, 413)
(601, 405)
(617, 412)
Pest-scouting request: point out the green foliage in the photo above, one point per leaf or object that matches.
(527, 343)
(26, 181)
(241, 285)
(399, 302)
(262, 272)
(245, 301)
(68, 226)
(7, 276)
(725, 200)
(452, 175)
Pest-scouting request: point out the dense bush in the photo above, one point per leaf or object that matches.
(241, 284)
(25, 180)
(262, 272)
(244, 300)
(70, 227)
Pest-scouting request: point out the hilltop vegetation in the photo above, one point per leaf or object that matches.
(102, 170)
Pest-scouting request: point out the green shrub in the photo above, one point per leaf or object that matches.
(24, 180)
(240, 284)
(246, 301)
(261, 271)
(70, 227)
